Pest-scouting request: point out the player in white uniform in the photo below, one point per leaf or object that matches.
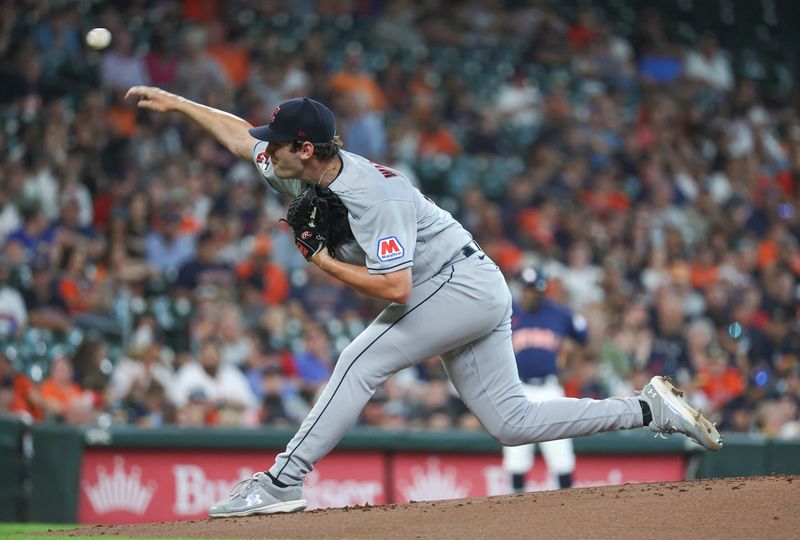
(446, 297)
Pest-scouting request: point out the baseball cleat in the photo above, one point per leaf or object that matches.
(258, 495)
(671, 414)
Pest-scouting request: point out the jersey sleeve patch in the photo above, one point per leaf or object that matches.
(262, 161)
(389, 249)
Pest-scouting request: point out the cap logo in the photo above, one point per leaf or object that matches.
(301, 133)
(274, 114)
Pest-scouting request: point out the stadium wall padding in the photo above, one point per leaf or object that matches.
(54, 472)
(11, 469)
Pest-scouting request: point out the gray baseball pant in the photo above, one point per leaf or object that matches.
(463, 314)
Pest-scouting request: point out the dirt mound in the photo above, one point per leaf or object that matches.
(759, 507)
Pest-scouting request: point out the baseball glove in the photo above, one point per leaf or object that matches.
(319, 219)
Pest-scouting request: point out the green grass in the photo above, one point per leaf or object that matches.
(19, 531)
(15, 531)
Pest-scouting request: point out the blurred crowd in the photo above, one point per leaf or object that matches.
(145, 278)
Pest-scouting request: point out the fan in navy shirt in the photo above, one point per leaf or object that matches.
(539, 328)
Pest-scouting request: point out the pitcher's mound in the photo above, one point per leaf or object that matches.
(758, 507)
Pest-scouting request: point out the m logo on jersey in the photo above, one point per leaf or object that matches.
(390, 248)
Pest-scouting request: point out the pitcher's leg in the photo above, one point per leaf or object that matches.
(485, 374)
(560, 454)
(436, 319)
(364, 364)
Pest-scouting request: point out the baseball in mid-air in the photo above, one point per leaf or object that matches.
(98, 38)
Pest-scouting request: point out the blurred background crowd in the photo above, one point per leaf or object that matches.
(645, 154)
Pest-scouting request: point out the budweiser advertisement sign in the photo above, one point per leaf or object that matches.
(129, 486)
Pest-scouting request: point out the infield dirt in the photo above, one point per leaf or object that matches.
(758, 507)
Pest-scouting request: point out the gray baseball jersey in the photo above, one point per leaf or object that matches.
(459, 309)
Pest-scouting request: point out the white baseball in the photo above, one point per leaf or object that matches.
(98, 38)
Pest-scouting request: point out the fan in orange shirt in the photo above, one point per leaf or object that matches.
(351, 79)
(230, 50)
(269, 277)
(18, 394)
(61, 397)
(80, 292)
(719, 380)
(436, 139)
(704, 270)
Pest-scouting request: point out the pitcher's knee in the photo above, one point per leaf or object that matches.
(508, 435)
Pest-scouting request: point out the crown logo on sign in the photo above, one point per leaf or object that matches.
(119, 490)
(434, 482)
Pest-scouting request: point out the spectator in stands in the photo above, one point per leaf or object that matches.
(122, 67)
(374, 412)
(668, 354)
(353, 78)
(361, 127)
(34, 238)
(323, 296)
(235, 345)
(549, 46)
(227, 44)
(137, 223)
(661, 64)
(18, 395)
(436, 139)
(46, 308)
(204, 270)
(78, 285)
(23, 81)
(581, 278)
(267, 277)
(134, 375)
(519, 102)
(70, 233)
(62, 399)
(198, 72)
(9, 215)
(222, 385)
(584, 380)
(276, 81)
(431, 406)
(13, 313)
(161, 62)
(155, 411)
(315, 362)
(709, 65)
(91, 370)
(166, 248)
(281, 403)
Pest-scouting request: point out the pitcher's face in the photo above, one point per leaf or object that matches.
(285, 162)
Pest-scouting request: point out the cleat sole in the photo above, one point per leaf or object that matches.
(675, 398)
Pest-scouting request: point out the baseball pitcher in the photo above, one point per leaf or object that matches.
(445, 297)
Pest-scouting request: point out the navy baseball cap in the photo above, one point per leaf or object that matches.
(533, 277)
(299, 119)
